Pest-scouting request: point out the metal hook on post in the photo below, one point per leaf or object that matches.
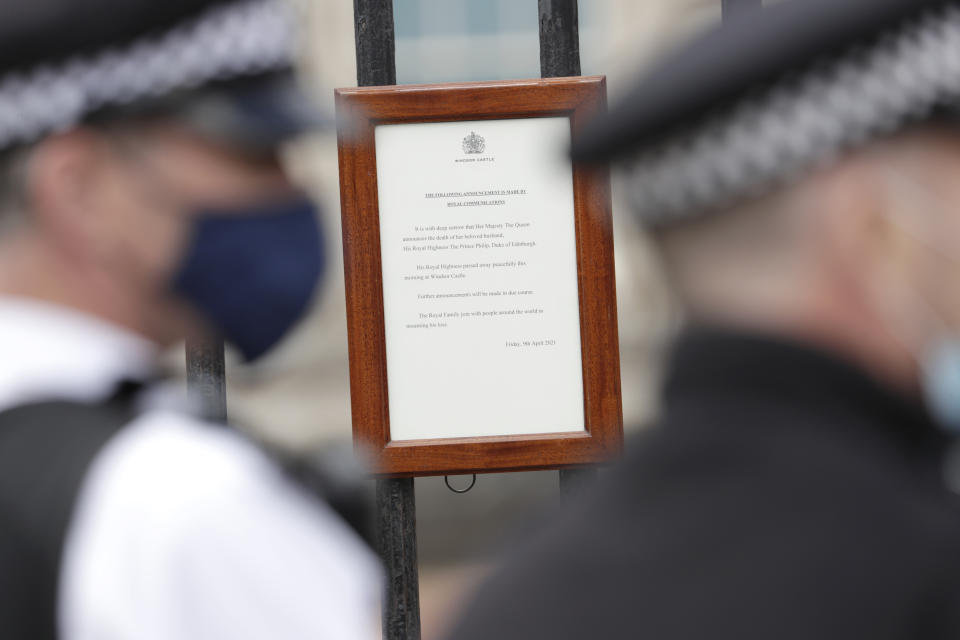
(473, 482)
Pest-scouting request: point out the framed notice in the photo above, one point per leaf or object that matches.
(481, 299)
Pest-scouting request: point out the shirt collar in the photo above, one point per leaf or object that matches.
(48, 351)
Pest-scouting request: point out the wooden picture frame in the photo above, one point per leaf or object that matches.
(359, 112)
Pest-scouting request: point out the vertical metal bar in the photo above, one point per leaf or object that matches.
(376, 51)
(396, 504)
(733, 8)
(559, 38)
(397, 542)
(206, 376)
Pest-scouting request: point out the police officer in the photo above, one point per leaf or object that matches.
(797, 168)
(142, 201)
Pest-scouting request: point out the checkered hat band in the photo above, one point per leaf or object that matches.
(799, 124)
(229, 41)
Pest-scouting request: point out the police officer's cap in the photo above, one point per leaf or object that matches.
(767, 96)
(222, 65)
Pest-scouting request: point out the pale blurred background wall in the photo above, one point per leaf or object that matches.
(300, 395)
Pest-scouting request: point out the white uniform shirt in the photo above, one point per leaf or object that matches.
(182, 530)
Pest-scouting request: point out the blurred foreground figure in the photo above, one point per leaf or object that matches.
(799, 171)
(142, 201)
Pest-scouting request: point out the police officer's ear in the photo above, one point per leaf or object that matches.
(838, 203)
(843, 207)
(68, 192)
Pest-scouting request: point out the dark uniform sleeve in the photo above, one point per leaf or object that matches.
(940, 620)
(725, 555)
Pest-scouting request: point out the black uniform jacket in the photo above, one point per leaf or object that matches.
(784, 495)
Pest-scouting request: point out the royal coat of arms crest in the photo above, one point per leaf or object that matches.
(474, 144)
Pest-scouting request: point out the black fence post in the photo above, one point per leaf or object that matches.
(559, 38)
(206, 376)
(396, 504)
(733, 7)
(397, 540)
(376, 51)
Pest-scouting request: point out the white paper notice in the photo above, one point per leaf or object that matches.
(480, 288)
